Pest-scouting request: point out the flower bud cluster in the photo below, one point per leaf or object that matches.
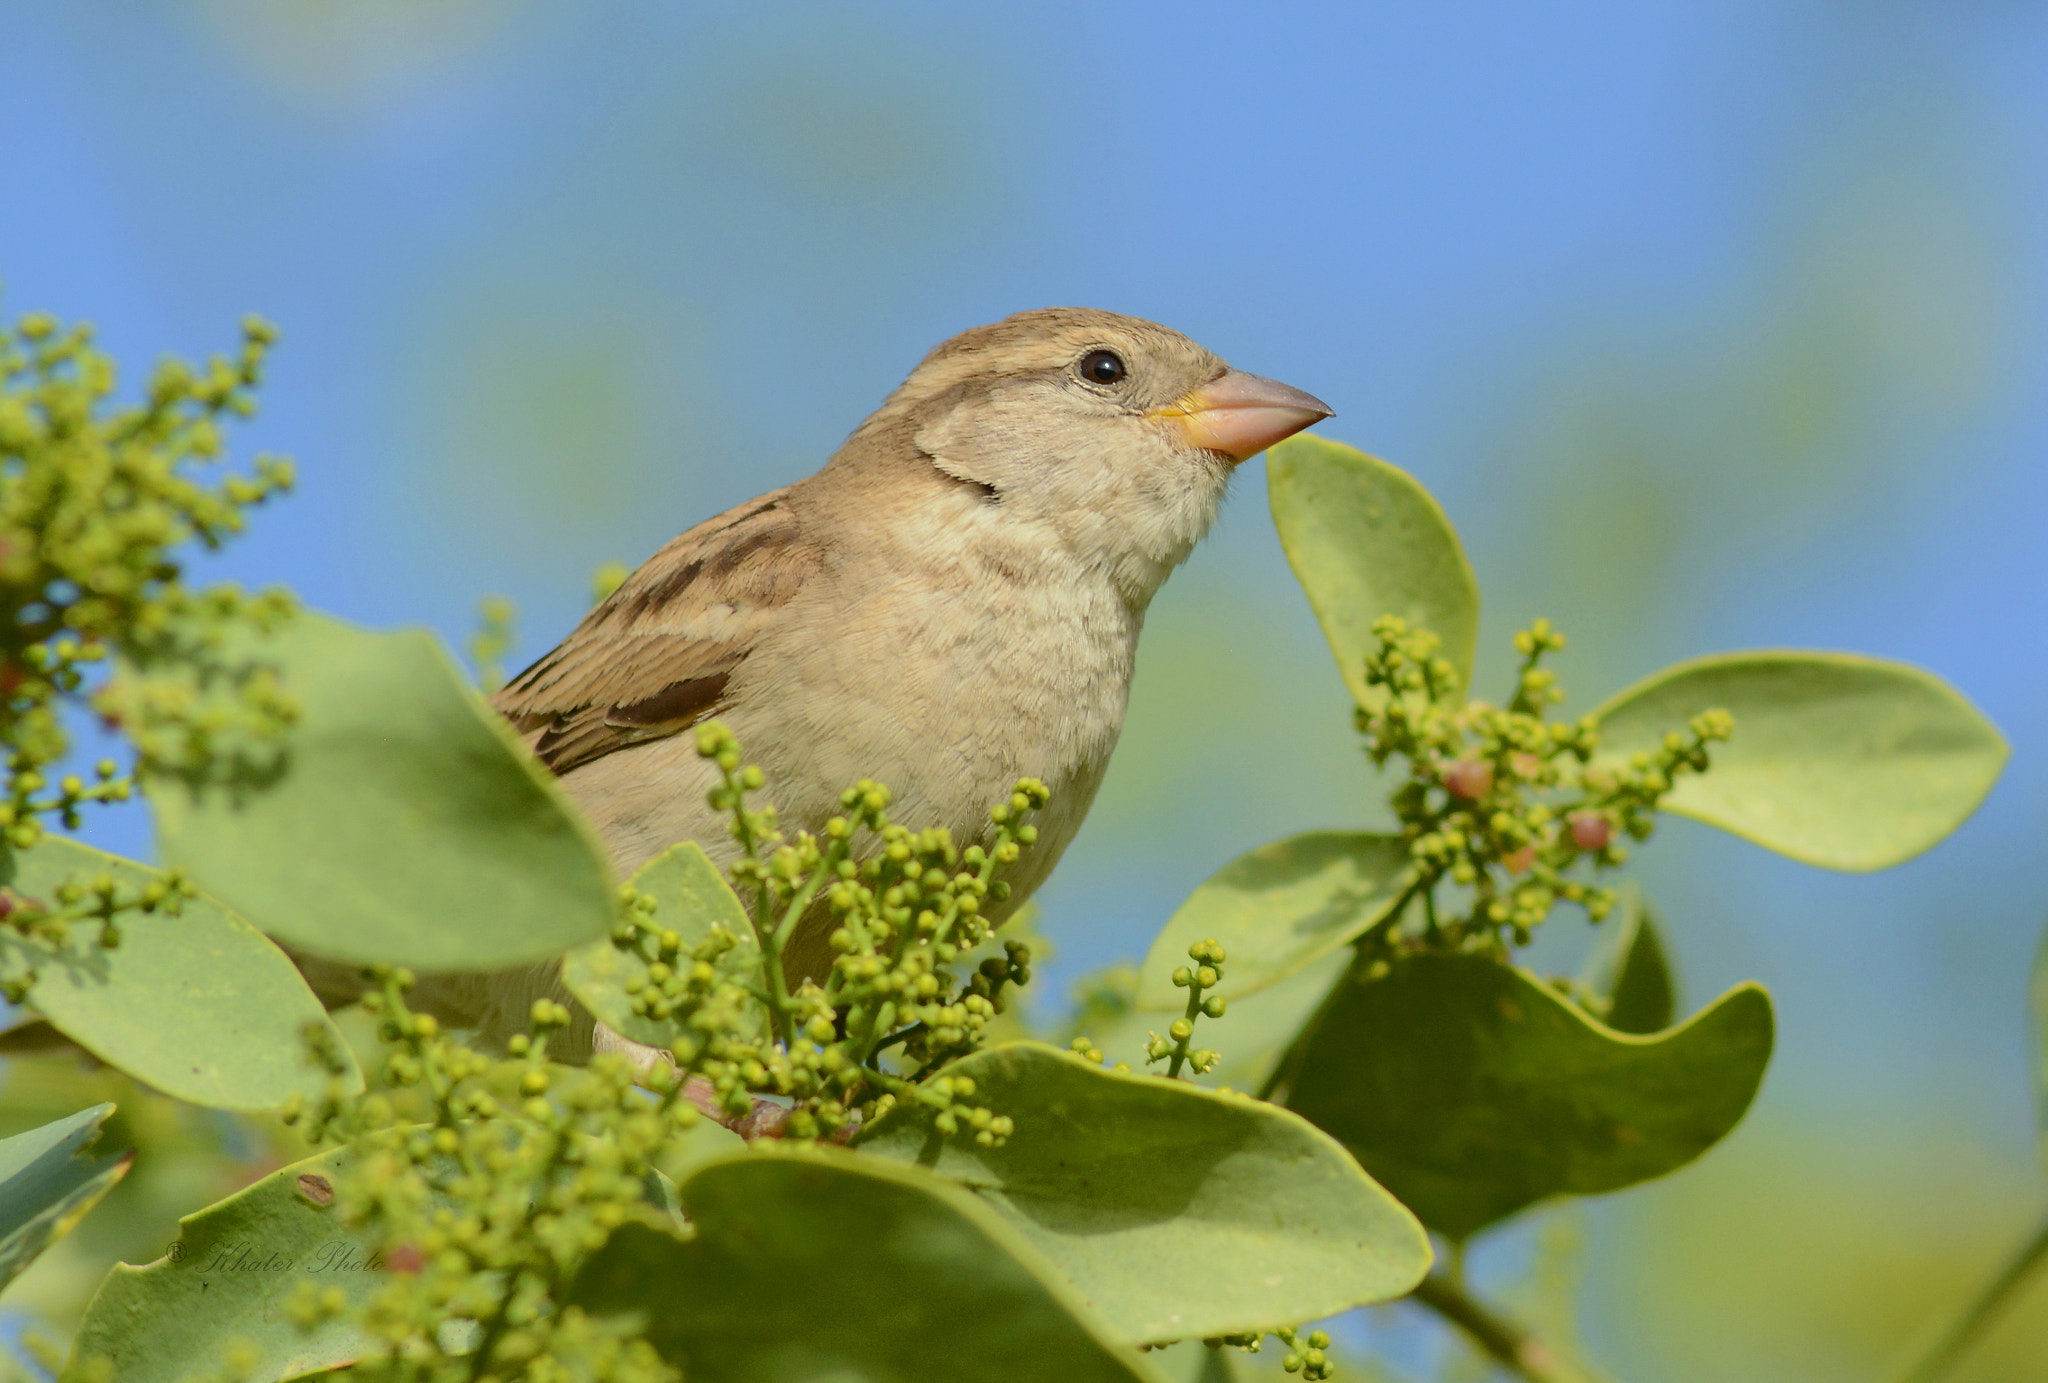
(47, 924)
(1306, 1355)
(1205, 975)
(491, 641)
(483, 1185)
(1502, 802)
(95, 500)
(902, 912)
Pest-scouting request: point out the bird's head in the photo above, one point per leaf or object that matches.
(1113, 436)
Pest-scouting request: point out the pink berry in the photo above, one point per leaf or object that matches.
(1591, 831)
(1468, 778)
(1521, 861)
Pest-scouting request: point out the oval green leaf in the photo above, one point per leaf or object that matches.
(407, 824)
(223, 1283)
(690, 897)
(1365, 540)
(818, 1266)
(202, 1006)
(1844, 762)
(1175, 1211)
(46, 1187)
(1278, 909)
(1472, 1089)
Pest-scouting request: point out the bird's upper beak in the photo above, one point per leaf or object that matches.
(1241, 415)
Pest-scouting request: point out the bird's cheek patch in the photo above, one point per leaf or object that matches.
(959, 443)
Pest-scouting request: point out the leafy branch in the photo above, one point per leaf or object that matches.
(1512, 1346)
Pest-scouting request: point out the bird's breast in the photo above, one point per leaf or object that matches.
(948, 687)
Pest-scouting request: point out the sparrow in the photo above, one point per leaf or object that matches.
(952, 603)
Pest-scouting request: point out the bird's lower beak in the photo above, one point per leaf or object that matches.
(1241, 415)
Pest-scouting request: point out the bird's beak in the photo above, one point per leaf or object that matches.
(1241, 415)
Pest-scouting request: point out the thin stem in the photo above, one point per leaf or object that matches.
(762, 914)
(1955, 1342)
(1507, 1342)
(1453, 1261)
(800, 902)
(778, 989)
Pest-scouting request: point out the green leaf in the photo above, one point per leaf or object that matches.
(1844, 762)
(408, 826)
(1277, 909)
(224, 1282)
(1365, 540)
(1631, 971)
(1191, 1361)
(690, 897)
(1471, 1089)
(46, 1187)
(1175, 1211)
(809, 1266)
(201, 1006)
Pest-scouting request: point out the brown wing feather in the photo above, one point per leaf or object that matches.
(657, 655)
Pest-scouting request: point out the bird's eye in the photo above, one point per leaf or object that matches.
(1102, 367)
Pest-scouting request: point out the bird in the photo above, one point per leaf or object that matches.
(953, 602)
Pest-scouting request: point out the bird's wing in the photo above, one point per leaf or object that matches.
(656, 656)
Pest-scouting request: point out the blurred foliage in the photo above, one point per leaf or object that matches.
(1833, 1278)
(348, 59)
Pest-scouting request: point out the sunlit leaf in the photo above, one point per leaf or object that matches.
(1365, 540)
(817, 1267)
(201, 1006)
(46, 1187)
(1844, 762)
(1471, 1089)
(1175, 1211)
(1277, 909)
(407, 827)
(224, 1283)
(690, 896)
